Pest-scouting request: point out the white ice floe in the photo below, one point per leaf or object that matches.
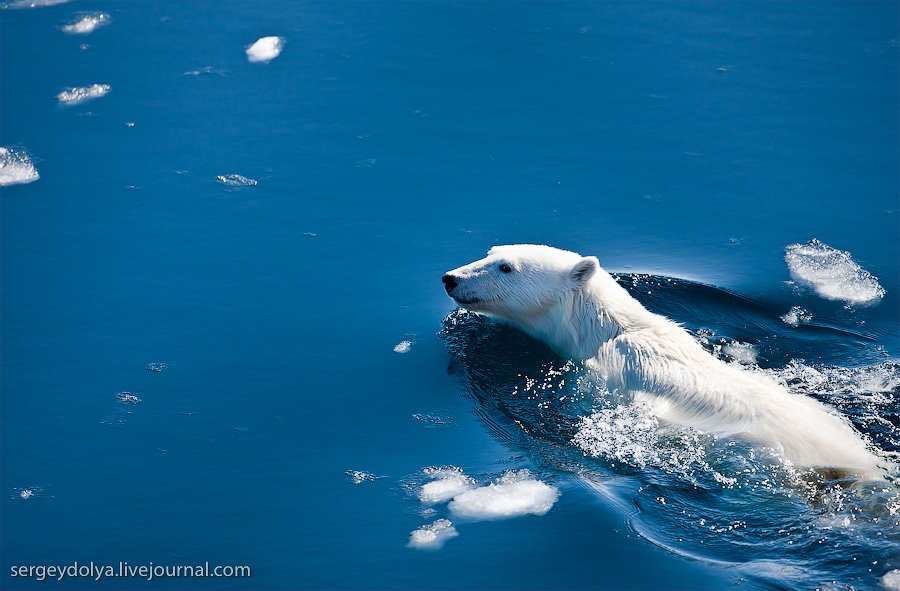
(265, 49)
(432, 536)
(403, 347)
(448, 481)
(88, 23)
(236, 180)
(16, 168)
(514, 494)
(832, 273)
(79, 94)
(797, 316)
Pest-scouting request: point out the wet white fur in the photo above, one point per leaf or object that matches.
(572, 304)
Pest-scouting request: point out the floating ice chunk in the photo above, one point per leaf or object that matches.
(447, 482)
(75, 95)
(236, 180)
(157, 367)
(265, 49)
(514, 494)
(797, 316)
(432, 536)
(16, 168)
(88, 23)
(403, 347)
(17, 4)
(832, 273)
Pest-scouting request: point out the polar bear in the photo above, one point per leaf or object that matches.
(570, 303)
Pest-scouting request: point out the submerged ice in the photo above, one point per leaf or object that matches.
(832, 273)
(16, 168)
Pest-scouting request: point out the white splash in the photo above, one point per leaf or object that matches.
(16, 168)
(631, 434)
(832, 273)
(743, 353)
(447, 482)
(79, 94)
(403, 347)
(87, 24)
(265, 49)
(514, 494)
(432, 537)
(797, 316)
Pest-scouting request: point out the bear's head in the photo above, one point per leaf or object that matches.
(537, 289)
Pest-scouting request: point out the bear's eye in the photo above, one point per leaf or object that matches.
(504, 268)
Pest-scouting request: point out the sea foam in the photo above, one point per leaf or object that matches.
(16, 168)
(79, 94)
(514, 494)
(87, 24)
(832, 273)
(265, 49)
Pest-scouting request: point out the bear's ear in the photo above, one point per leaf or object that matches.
(584, 270)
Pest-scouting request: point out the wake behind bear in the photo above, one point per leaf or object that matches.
(570, 303)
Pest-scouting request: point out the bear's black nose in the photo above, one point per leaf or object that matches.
(449, 282)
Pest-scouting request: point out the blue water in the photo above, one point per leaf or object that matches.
(392, 142)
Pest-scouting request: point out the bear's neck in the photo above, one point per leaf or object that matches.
(585, 318)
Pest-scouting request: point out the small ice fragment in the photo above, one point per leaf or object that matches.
(157, 367)
(265, 49)
(832, 273)
(75, 95)
(403, 347)
(236, 180)
(129, 124)
(16, 168)
(432, 536)
(358, 476)
(512, 495)
(432, 419)
(26, 493)
(796, 316)
(127, 398)
(448, 481)
(87, 24)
